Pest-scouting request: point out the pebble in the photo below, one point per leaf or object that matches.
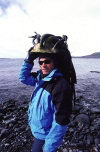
(95, 110)
(82, 120)
(4, 133)
(97, 141)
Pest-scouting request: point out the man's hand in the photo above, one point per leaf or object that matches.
(31, 56)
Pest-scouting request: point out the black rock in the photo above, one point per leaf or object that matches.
(90, 140)
(97, 141)
(82, 120)
(4, 133)
(95, 110)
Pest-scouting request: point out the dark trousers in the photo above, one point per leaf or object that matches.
(37, 145)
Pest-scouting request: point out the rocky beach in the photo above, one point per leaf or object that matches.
(83, 134)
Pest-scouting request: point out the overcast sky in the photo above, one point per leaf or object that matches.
(78, 19)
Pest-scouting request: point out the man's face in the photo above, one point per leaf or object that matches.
(46, 65)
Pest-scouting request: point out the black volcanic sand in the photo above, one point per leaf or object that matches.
(83, 134)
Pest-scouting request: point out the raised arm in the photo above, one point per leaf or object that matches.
(26, 68)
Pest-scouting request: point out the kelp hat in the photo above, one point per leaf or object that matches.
(48, 44)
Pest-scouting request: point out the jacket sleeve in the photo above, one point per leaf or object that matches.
(62, 99)
(25, 74)
(55, 137)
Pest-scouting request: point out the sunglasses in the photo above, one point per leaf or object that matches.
(45, 62)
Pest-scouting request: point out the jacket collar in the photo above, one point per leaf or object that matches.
(54, 73)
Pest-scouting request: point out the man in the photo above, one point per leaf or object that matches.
(51, 101)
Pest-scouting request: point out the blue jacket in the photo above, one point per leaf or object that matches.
(50, 106)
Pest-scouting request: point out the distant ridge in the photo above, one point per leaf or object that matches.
(94, 55)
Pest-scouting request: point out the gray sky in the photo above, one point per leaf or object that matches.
(78, 19)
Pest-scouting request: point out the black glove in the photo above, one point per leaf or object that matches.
(31, 56)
